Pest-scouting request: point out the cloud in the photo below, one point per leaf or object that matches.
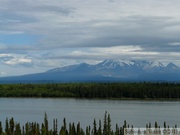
(15, 60)
(4, 57)
(175, 43)
(96, 53)
(57, 33)
(2, 73)
(85, 24)
(147, 32)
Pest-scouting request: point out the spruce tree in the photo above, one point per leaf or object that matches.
(64, 125)
(17, 129)
(55, 130)
(78, 129)
(43, 130)
(1, 129)
(164, 124)
(87, 131)
(94, 127)
(99, 129)
(46, 123)
(70, 129)
(12, 125)
(7, 127)
(108, 125)
(27, 128)
(117, 130)
(105, 124)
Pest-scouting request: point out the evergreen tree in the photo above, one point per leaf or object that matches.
(64, 125)
(121, 131)
(46, 124)
(1, 129)
(73, 129)
(109, 125)
(156, 125)
(7, 127)
(38, 129)
(105, 124)
(117, 132)
(55, 129)
(164, 124)
(13, 128)
(11, 123)
(43, 130)
(63, 130)
(23, 131)
(70, 129)
(99, 129)
(78, 129)
(17, 129)
(94, 128)
(87, 131)
(149, 125)
(125, 124)
(27, 128)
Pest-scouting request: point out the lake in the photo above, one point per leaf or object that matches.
(136, 113)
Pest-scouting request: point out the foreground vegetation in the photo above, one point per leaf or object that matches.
(33, 128)
(94, 90)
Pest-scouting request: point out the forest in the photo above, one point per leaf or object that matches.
(144, 90)
(100, 128)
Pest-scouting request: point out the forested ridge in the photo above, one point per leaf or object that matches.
(94, 90)
(101, 127)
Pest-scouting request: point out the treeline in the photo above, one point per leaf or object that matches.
(100, 128)
(94, 90)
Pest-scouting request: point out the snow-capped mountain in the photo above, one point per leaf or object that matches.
(140, 65)
(122, 69)
(108, 70)
(172, 66)
(114, 63)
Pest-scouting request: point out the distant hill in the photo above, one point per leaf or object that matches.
(108, 70)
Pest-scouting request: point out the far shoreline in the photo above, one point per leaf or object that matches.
(111, 99)
(145, 91)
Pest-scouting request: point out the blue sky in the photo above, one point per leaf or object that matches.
(17, 39)
(37, 35)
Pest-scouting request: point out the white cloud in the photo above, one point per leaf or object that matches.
(4, 55)
(17, 61)
(119, 49)
(2, 73)
(175, 43)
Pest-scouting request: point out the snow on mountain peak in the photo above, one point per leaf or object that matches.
(156, 64)
(172, 66)
(121, 66)
(140, 63)
(136, 63)
(113, 63)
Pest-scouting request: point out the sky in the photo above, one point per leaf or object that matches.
(37, 35)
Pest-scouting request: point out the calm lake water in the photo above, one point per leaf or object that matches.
(137, 113)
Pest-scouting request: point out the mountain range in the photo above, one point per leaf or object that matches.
(107, 70)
